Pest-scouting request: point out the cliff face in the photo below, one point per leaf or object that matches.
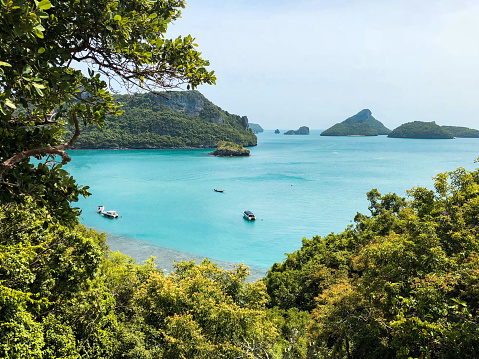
(179, 119)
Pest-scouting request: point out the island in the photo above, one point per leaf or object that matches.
(361, 124)
(255, 128)
(229, 149)
(462, 132)
(276, 131)
(174, 119)
(303, 130)
(422, 130)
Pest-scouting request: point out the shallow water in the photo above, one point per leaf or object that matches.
(298, 186)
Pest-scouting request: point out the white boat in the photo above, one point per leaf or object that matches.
(249, 215)
(111, 214)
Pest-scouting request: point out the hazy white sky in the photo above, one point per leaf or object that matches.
(285, 64)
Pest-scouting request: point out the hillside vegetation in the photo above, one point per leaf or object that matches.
(176, 119)
(401, 282)
(419, 129)
(462, 132)
(361, 124)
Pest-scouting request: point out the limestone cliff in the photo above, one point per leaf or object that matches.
(177, 119)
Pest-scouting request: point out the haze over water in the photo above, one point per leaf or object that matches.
(298, 186)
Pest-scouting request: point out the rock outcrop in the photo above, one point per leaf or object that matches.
(229, 149)
(303, 130)
(255, 128)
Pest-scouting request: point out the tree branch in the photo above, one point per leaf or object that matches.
(52, 150)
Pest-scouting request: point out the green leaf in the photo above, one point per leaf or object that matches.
(38, 90)
(153, 16)
(38, 33)
(38, 86)
(41, 50)
(117, 18)
(44, 5)
(10, 104)
(2, 63)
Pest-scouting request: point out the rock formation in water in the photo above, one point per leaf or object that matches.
(229, 149)
(255, 128)
(303, 130)
(361, 124)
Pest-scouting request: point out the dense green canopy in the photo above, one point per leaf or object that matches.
(419, 129)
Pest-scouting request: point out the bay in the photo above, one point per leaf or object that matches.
(297, 186)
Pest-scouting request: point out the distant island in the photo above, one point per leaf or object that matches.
(229, 149)
(462, 132)
(361, 124)
(176, 119)
(255, 128)
(423, 130)
(303, 130)
(276, 131)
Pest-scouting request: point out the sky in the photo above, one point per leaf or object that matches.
(286, 64)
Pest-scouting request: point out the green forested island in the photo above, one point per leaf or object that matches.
(176, 119)
(419, 129)
(229, 149)
(361, 124)
(256, 128)
(462, 132)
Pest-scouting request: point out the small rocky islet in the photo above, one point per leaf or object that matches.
(229, 149)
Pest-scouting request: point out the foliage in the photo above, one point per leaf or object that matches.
(399, 283)
(177, 119)
(464, 132)
(205, 312)
(40, 91)
(63, 294)
(419, 129)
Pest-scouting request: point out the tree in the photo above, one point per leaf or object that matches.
(41, 91)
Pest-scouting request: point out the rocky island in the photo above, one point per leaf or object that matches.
(303, 130)
(229, 149)
(462, 132)
(422, 130)
(175, 119)
(361, 124)
(256, 128)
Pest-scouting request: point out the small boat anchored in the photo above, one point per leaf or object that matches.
(111, 214)
(219, 190)
(249, 215)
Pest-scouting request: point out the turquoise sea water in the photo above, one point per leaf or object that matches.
(298, 186)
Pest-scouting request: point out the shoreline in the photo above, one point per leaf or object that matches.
(164, 257)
